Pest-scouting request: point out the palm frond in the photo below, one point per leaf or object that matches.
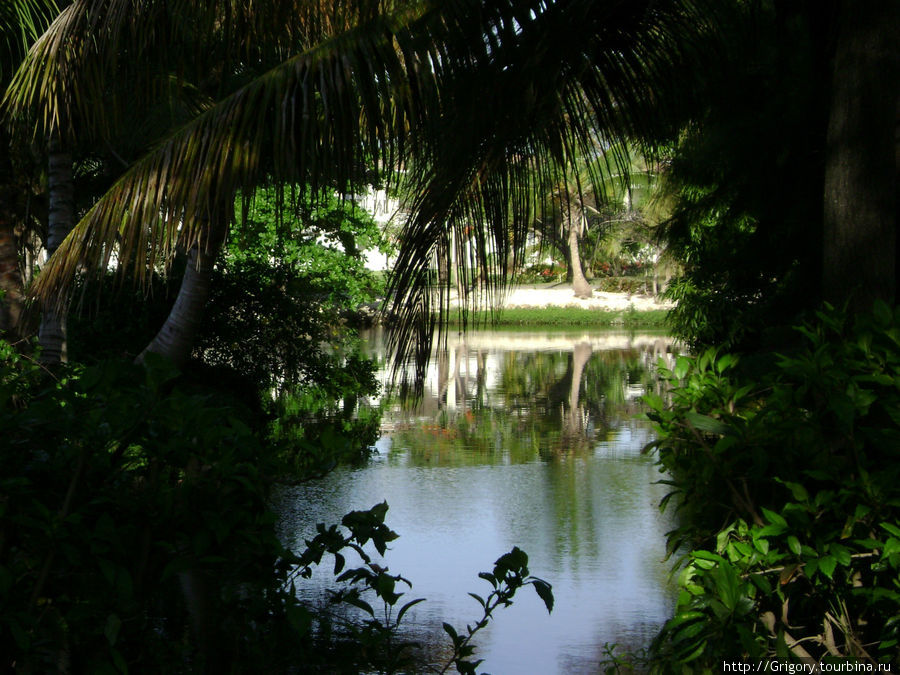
(64, 83)
(483, 103)
(570, 72)
(21, 22)
(310, 120)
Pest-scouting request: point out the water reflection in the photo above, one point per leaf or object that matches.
(521, 439)
(516, 396)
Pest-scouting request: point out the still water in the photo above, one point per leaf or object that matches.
(521, 439)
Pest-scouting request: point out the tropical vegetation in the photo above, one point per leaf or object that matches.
(208, 150)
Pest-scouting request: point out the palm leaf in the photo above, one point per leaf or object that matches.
(574, 71)
(484, 105)
(21, 22)
(309, 120)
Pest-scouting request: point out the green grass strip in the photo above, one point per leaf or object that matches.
(567, 316)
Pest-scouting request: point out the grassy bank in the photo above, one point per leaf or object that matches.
(569, 316)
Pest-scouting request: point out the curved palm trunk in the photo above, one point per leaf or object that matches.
(61, 188)
(580, 285)
(175, 340)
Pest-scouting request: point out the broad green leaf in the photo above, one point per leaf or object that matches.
(841, 554)
(725, 362)
(827, 564)
(769, 531)
(706, 423)
(300, 618)
(797, 490)
(882, 313)
(545, 591)
(411, 603)
(451, 631)
(653, 401)
(113, 625)
(891, 546)
(893, 529)
(774, 518)
(811, 567)
(682, 367)
(700, 554)
(358, 602)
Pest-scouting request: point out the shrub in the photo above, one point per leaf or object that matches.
(799, 460)
(134, 524)
(630, 285)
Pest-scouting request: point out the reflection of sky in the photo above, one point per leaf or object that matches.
(589, 522)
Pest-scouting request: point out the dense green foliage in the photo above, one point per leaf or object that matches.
(101, 567)
(789, 488)
(289, 92)
(746, 178)
(279, 332)
(286, 288)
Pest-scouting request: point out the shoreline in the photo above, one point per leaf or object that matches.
(562, 295)
(553, 305)
(557, 305)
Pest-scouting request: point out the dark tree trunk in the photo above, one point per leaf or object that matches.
(61, 188)
(860, 206)
(12, 286)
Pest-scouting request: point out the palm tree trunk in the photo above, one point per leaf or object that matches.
(61, 188)
(573, 430)
(580, 285)
(175, 340)
(11, 286)
(861, 203)
(581, 354)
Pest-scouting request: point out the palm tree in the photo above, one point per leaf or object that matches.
(21, 21)
(484, 104)
(64, 70)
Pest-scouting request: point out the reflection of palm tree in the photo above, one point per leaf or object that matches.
(480, 378)
(546, 402)
(443, 366)
(564, 395)
(460, 380)
(580, 356)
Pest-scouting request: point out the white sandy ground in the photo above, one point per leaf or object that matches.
(561, 295)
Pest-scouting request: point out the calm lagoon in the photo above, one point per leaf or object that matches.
(528, 439)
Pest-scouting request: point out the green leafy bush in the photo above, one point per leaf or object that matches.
(630, 285)
(281, 316)
(788, 482)
(542, 274)
(135, 533)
